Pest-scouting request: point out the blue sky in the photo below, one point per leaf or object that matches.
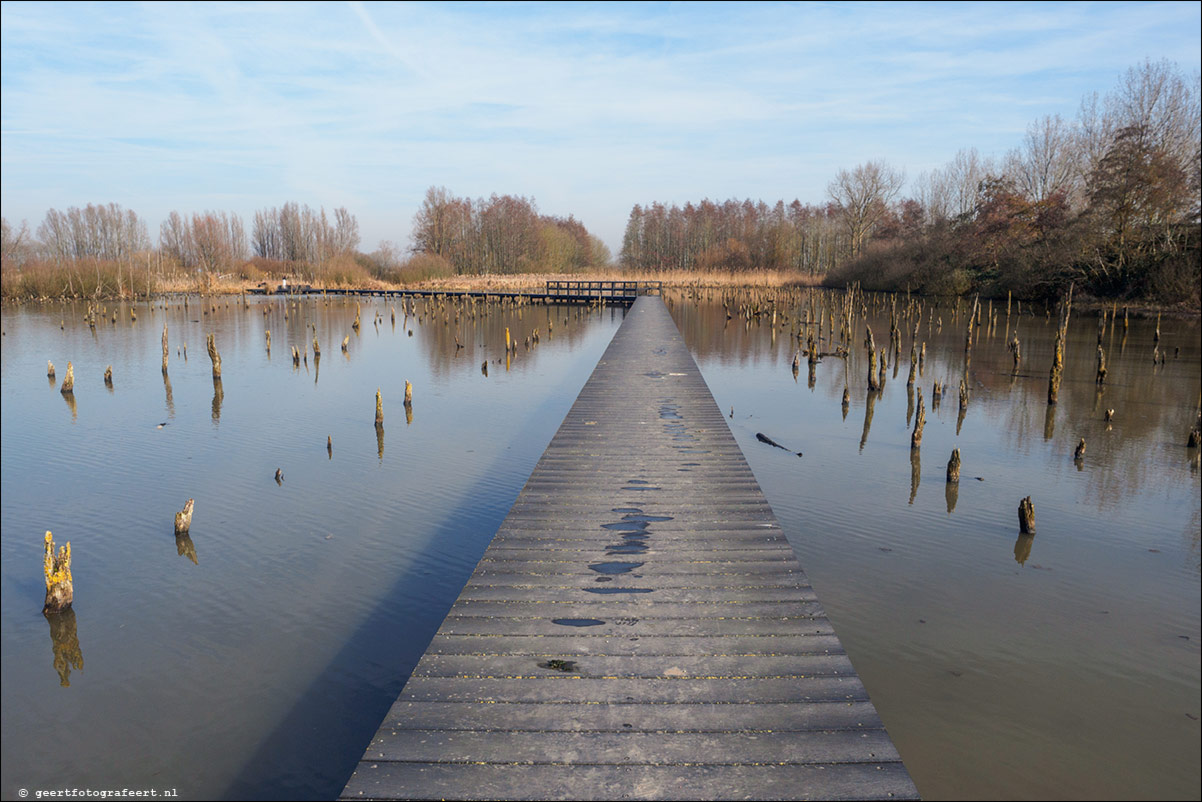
(587, 108)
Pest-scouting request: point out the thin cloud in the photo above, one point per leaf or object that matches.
(588, 108)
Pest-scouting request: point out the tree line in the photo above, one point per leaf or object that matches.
(501, 234)
(734, 236)
(1108, 201)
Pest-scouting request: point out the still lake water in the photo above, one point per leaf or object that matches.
(1062, 666)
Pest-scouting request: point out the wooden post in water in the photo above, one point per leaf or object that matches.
(1079, 452)
(1101, 365)
(379, 408)
(60, 592)
(49, 369)
(1026, 516)
(108, 376)
(68, 387)
(214, 356)
(164, 349)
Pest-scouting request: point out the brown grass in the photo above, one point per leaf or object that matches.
(46, 280)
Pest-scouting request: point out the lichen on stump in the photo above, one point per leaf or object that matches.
(57, 567)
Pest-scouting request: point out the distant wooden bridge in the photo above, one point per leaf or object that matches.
(638, 628)
(602, 292)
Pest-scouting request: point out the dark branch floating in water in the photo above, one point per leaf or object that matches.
(763, 438)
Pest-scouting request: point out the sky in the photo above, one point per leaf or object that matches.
(586, 108)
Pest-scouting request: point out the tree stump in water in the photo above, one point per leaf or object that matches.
(408, 394)
(1079, 453)
(920, 419)
(1101, 365)
(1026, 516)
(49, 369)
(379, 408)
(873, 386)
(68, 381)
(316, 349)
(953, 466)
(345, 341)
(215, 357)
(183, 518)
(108, 376)
(57, 568)
(164, 349)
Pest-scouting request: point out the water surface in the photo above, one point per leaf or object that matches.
(1064, 665)
(257, 657)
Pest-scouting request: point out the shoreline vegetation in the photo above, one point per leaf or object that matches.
(1108, 203)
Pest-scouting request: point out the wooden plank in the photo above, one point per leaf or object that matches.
(639, 627)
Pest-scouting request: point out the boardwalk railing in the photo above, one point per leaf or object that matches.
(601, 290)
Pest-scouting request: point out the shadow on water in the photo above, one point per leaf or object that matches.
(314, 749)
(316, 746)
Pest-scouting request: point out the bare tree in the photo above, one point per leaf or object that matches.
(1047, 162)
(863, 196)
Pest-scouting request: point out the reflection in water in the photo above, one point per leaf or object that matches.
(909, 404)
(870, 403)
(380, 441)
(65, 642)
(218, 397)
(408, 413)
(915, 472)
(69, 397)
(170, 399)
(951, 492)
(184, 547)
(316, 366)
(1049, 422)
(1022, 549)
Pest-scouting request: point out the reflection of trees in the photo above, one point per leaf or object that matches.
(1154, 405)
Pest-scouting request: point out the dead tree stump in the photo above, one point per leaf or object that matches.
(183, 518)
(57, 567)
(68, 381)
(953, 467)
(1026, 516)
(214, 356)
(920, 420)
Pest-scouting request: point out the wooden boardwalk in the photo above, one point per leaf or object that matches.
(638, 628)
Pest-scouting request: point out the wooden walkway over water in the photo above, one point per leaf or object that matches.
(638, 628)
